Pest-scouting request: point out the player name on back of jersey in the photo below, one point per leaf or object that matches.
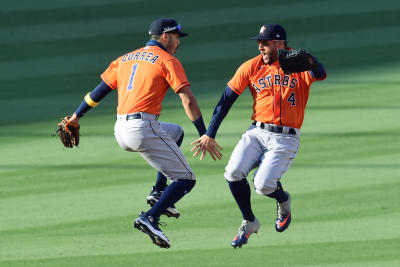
(140, 55)
(269, 81)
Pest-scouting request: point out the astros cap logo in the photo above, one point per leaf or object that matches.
(271, 32)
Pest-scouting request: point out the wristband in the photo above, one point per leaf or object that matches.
(199, 123)
(90, 101)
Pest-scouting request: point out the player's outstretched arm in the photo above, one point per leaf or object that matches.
(194, 114)
(68, 128)
(92, 99)
(207, 142)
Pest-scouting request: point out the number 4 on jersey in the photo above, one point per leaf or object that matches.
(130, 85)
(292, 99)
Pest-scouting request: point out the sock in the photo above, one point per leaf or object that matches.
(174, 192)
(161, 181)
(241, 192)
(279, 194)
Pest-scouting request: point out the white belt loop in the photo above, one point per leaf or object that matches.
(121, 117)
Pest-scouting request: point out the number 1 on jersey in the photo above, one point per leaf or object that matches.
(130, 85)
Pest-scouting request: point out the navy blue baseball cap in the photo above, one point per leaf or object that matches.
(271, 32)
(166, 25)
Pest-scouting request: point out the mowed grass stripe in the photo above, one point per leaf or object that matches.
(71, 206)
(332, 250)
(343, 226)
(48, 66)
(217, 74)
(96, 27)
(75, 10)
(308, 209)
(352, 201)
(348, 199)
(223, 34)
(27, 5)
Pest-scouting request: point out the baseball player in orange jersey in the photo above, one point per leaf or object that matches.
(142, 78)
(271, 142)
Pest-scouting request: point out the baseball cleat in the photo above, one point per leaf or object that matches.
(284, 216)
(149, 226)
(154, 196)
(245, 230)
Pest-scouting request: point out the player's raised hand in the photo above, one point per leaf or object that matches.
(204, 144)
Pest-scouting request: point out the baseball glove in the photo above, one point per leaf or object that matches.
(68, 133)
(296, 60)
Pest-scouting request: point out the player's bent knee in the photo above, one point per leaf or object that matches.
(180, 130)
(187, 176)
(233, 176)
(180, 140)
(264, 190)
(189, 185)
(178, 133)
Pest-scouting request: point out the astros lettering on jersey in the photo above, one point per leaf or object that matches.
(278, 98)
(141, 86)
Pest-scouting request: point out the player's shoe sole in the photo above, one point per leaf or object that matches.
(169, 212)
(158, 237)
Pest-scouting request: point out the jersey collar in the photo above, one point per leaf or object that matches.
(155, 43)
(276, 64)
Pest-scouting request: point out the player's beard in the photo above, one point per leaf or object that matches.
(170, 46)
(269, 59)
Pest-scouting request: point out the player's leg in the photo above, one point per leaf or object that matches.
(176, 133)
(163, 154)
(282, 150)
(244, 157)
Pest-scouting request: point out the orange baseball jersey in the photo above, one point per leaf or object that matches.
(142, 78)
(278, 98)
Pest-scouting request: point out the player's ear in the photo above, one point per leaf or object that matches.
(164, 39)
(164, 36)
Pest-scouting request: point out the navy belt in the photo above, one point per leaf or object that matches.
(134, 116)
(273, 128)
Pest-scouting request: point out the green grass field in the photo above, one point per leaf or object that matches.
(74, 207)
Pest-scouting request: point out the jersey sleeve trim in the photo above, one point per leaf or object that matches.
(180, 87)
(107, 82)
(234, 89)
